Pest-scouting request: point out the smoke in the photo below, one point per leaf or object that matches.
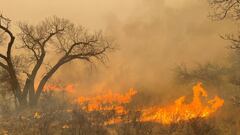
(152, 37)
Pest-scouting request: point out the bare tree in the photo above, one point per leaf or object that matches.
(225, 8)
(208, 73)
(53, 35)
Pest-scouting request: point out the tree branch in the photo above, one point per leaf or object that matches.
(4, 66)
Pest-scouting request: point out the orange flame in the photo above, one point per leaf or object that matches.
(68, 88)
(172, 113)
(180, 111)
(108, 101)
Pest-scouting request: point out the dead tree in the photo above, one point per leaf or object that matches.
(53, 36)
(225, 8)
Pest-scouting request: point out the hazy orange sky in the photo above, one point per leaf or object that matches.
(153, 36)
(87, 12)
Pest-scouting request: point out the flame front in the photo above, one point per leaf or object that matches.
(172, 113)
(108, 101)
(180, 111)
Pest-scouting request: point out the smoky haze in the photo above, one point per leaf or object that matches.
(152, 37)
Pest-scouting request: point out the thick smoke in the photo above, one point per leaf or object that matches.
(152, 40)
(152, 37)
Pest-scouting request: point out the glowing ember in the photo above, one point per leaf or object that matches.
(180, 111)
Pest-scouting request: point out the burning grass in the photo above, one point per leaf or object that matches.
(109, 114)
(200, 107)
(181, 111)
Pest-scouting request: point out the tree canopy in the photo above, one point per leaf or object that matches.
(54, 35)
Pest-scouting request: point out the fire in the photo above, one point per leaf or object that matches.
(107, 101)
(181, 111)
(200, 106)
(68, 88)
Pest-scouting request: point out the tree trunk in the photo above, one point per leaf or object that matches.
(22, 103)
(33, 102)
(45, 79)
(31, 95)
